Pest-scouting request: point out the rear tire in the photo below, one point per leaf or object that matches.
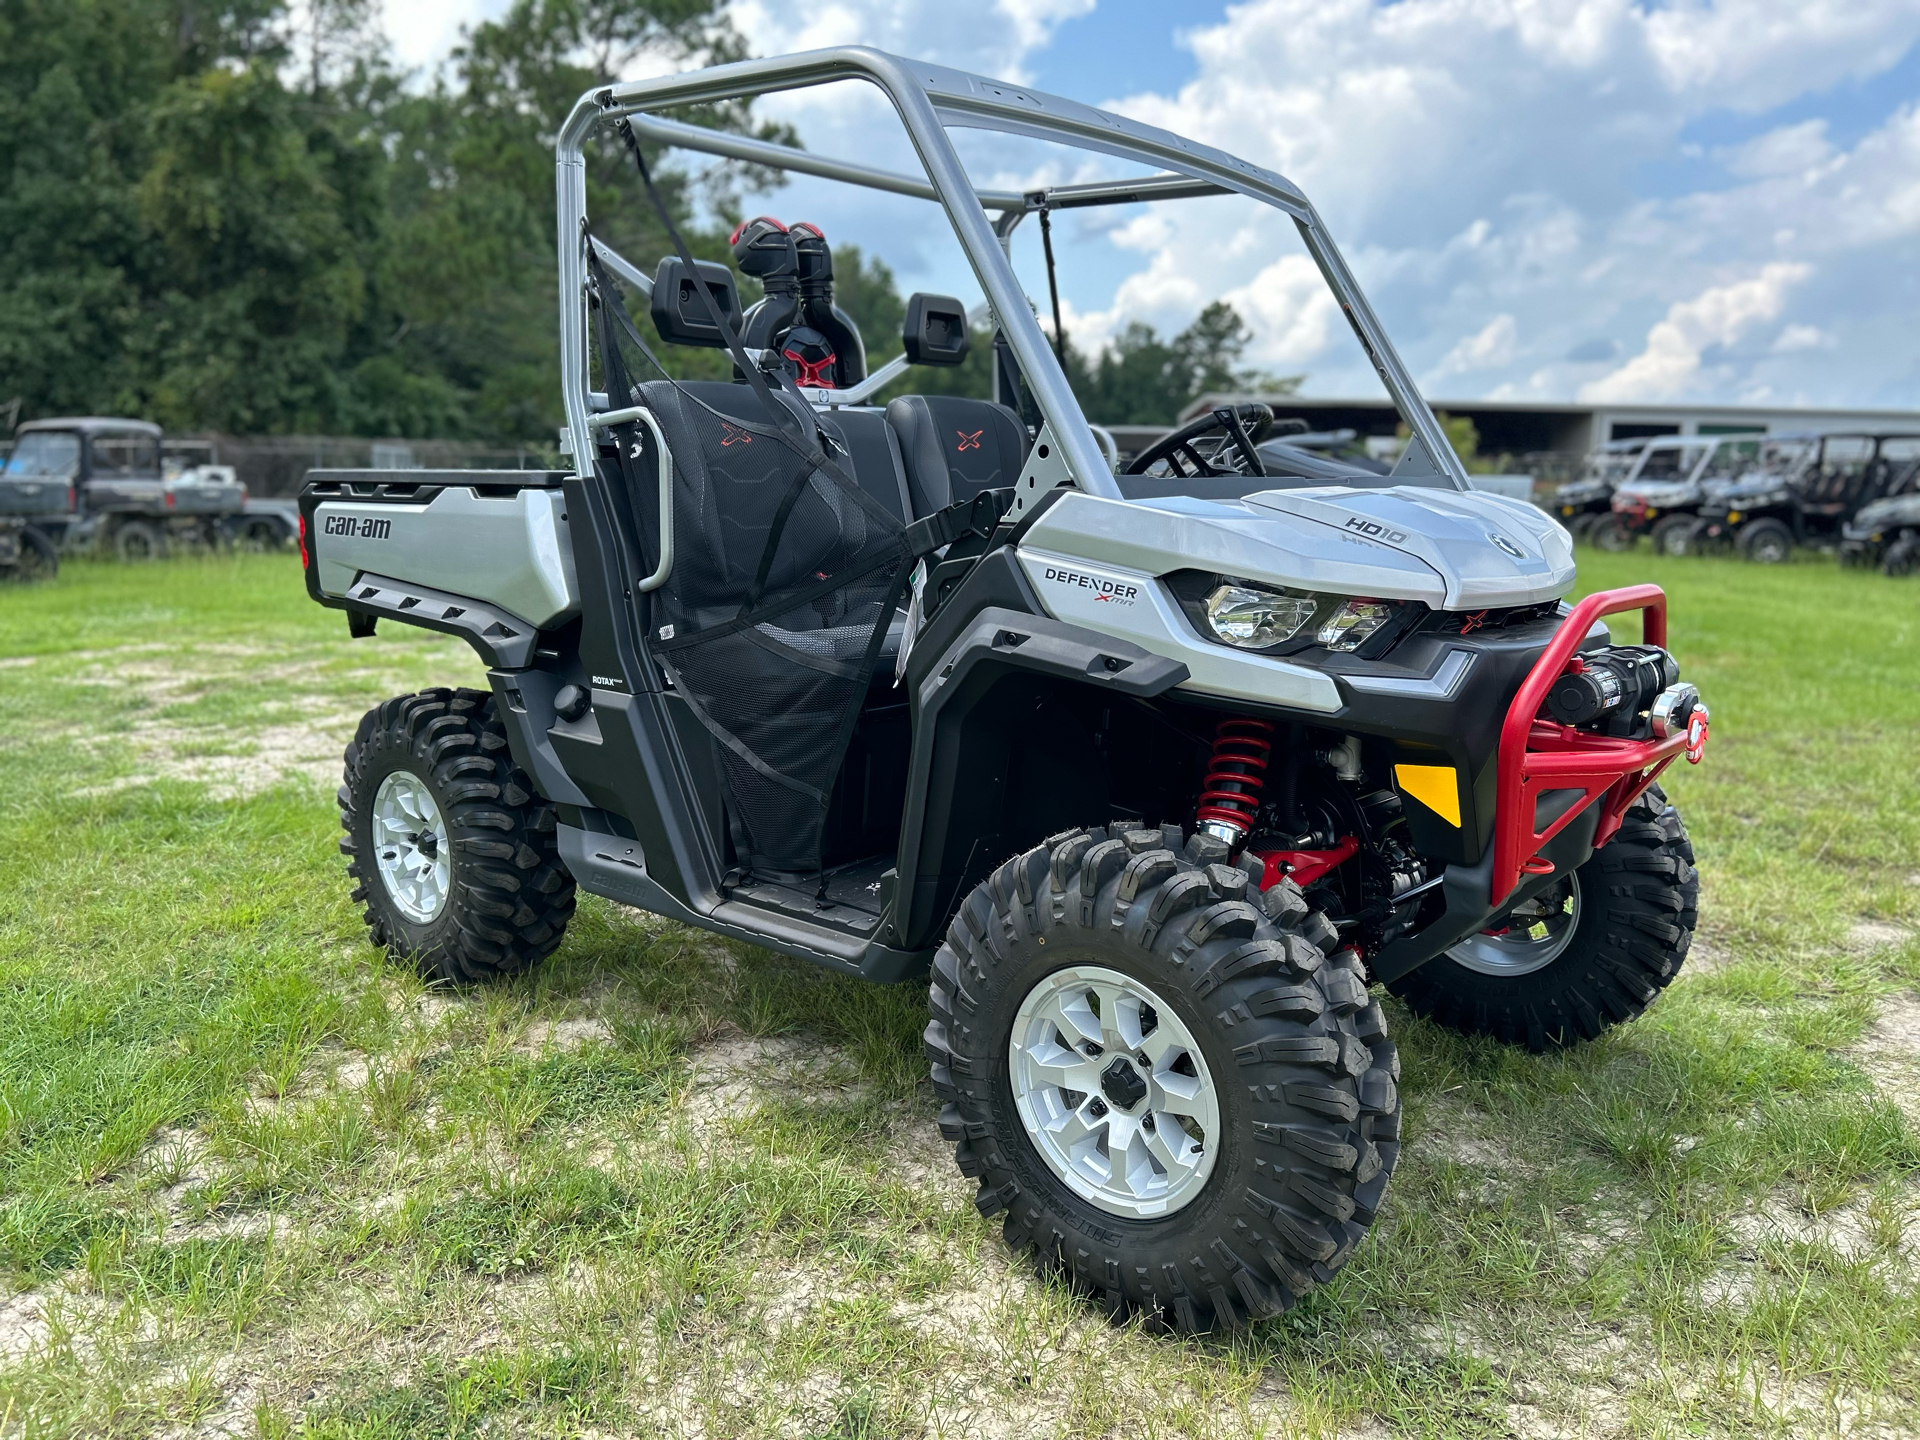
(1673, 534)
(1636, 910)
(1765, 542)
(135, 541)
(262, 536)
(478, 890)
(1294, 1050)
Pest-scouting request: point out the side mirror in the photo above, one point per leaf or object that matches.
(678, 312)
(935, 331)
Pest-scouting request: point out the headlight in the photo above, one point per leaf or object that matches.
(1253, 619)
(1349, 627)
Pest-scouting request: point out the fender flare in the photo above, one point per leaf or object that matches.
(997, 642)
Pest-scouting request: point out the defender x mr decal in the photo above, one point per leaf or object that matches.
(1113, 591)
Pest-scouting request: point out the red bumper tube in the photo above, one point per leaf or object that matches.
(1538, 755)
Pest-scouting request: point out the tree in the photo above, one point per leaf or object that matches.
(1144, 380)
(234, 215)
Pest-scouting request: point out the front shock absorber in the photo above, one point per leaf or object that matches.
(1235, 780)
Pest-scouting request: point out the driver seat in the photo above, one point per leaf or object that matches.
(953, 448)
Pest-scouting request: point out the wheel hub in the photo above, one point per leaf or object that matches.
(1113, 1092)
(414, 866)
(1536, 934)
(1122, 1085)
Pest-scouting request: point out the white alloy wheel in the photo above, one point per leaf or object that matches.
(411, 847)
(1113, 1092)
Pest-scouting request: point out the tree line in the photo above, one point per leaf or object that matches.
(240, 217)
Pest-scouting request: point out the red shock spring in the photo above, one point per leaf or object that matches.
(1236, 776)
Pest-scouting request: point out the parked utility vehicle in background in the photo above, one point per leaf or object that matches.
(1661, 495)
(1887, 531)
(1155, 771)
(1808, 501)
(128, 491)
(1587, 501)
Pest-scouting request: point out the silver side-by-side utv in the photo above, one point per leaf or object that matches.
(1156, 773)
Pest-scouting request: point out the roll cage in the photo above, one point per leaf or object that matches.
(928, 99)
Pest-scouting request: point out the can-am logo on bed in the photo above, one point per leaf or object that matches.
(1115, 592)
(357, 527)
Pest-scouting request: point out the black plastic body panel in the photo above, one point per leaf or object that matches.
(976, 700)
(1468, 888)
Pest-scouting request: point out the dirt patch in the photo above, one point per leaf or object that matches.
(1706, 958)
(1890, 1054)
(23, 1325)
(1868, 935)
(731, 1076)
(563, 1037)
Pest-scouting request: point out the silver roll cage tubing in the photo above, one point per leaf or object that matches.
(928, 98)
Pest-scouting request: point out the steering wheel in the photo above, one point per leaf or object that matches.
(1218, 443)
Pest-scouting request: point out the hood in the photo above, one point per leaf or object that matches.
(1449, 549)
(1658, 492)
(1487, 549)
(1896, 510)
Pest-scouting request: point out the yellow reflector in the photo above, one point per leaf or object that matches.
(1434, 786)
(1733, 517)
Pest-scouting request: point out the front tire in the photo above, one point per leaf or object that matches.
(1618, 939)
(1673, 535)
(1765, 542)
(453, 854)
(1612, 534)
(38, 558)
(1288, 1088)
(1902, 557)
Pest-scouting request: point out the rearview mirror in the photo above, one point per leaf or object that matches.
(681, 316)
(935, 331)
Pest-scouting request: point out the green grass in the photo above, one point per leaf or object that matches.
(255, 1180)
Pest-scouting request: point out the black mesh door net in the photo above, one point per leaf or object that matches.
(784, 581)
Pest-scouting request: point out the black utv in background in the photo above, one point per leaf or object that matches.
(1586, 502)
(1765, 515)
(119, 487)
(1887, 532)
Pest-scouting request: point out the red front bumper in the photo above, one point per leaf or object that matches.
(1538, 755)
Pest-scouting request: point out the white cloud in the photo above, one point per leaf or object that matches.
(1669, 366)
(1789, 150)
(1490, 347)
(1481, 159)
(1801, 337)
(1494, 169)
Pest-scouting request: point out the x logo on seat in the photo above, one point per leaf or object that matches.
(733, 433)
(969, 442)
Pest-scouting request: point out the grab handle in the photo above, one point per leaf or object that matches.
(609, 418)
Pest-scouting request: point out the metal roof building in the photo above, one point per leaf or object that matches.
(1526, 427)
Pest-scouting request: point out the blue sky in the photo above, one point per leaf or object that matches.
(1544, 198)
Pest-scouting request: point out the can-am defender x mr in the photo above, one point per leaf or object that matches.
(1156, 773)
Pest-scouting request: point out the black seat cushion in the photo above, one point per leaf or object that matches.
(873, 448)
(954, 448)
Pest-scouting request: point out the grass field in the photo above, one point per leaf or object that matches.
(256, 1181)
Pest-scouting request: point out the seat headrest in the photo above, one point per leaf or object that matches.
(955, 447)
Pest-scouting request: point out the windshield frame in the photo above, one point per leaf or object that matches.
(928, 99)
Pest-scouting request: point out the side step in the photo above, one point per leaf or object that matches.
(612, 867)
